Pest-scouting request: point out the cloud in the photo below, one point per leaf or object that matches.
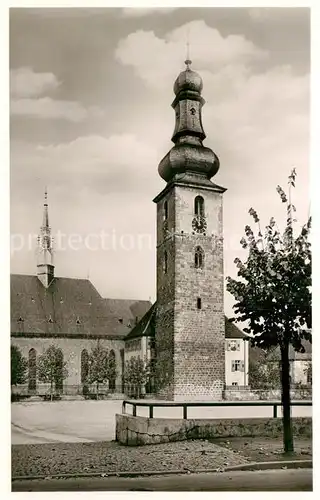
(24, 82)
(140, 12)
(102, 164)
(156, 60)
(27, 89)
(46, 108)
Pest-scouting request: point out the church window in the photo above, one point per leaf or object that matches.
(121, 320)
(84, 365)
(50, 320)
(192, 111)
(165, 210)
(78, 321)
(32, 368)
(112, 373)
(165, 262)
(199, 305)
(59, 370)
(199, 206)
(199, 258)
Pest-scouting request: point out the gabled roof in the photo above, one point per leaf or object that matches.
(232, 331)
(258, 355)
(146, 327)
(69, 306)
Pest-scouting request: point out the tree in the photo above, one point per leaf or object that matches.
(265, 372)
(51, 368)
(273, 294)
(136, 374)
(102, 366)
(19, 366)
(308, 372)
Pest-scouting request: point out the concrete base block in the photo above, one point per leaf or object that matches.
(135, 431)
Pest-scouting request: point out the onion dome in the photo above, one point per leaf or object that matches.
(184, 158)
(188, 80)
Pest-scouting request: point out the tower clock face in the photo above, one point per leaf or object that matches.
(199, 224)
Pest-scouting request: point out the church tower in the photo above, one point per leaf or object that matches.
(189, 336)
(45, 248)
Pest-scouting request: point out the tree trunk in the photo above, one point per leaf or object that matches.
(51, 390)
(286, 403)
(97, 391)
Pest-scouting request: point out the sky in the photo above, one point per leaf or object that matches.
(91, 118)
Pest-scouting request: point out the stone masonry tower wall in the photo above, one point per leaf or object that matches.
(198, 333)
(190, 326)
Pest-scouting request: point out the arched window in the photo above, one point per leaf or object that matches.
(165, 210)
(112, 370)
(59, 370)
(199, 258)
(32, 382)
(84, 365)
(165, 262)
(199, 206)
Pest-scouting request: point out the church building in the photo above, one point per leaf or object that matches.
(185, 334)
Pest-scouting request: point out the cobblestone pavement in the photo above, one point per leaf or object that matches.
(71, 458)
(259, 449)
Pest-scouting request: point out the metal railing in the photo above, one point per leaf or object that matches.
(185, 406)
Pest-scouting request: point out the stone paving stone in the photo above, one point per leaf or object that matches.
(67, 458)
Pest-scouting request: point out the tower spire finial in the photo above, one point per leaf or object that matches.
(45, 247)
(188, 60)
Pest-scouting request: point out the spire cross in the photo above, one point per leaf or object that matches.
(45, 195)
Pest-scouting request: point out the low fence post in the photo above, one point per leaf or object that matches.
(134, 410)
(150, 411)
(123, 406)
(275, 411)
(185, 412)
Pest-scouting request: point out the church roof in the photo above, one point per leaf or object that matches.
(71, 307)
(145, 327)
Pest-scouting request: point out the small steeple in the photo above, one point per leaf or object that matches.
(45, 248)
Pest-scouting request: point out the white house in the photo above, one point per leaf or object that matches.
(236, 356)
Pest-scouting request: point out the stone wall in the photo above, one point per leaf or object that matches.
(190, 341)
(164, 325)
(135, 431)
(266, 395)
